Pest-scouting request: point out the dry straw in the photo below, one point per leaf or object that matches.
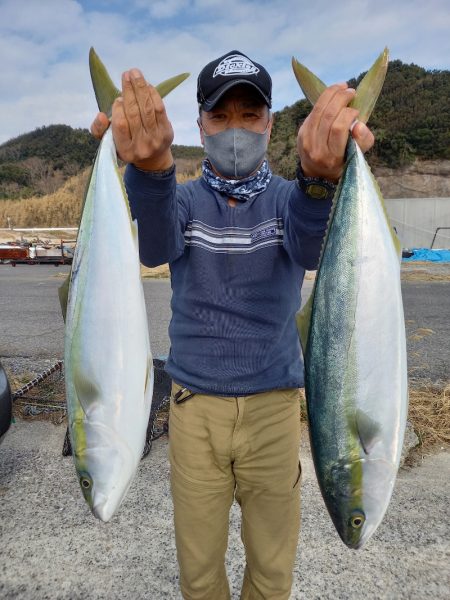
(59, 209)
(429, 413)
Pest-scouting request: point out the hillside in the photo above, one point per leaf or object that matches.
(61, 208)
(411, 121)
(38, 163)
(411, 155)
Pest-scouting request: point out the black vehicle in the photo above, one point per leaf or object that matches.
(5, 403)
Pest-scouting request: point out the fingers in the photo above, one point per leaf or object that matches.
(99, 125)
(121, 129)
(142, 132)
(130, 81)
(324, 134)
(142, 102)
(145, 96)
(322, 103)
(339, 130)
(363, 136)
(334, 121)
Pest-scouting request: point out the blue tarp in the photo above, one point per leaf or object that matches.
(430, 255)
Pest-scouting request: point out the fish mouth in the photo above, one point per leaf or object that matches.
(367, 533)
(102, 509)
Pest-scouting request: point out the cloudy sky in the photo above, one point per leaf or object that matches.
(44, 45)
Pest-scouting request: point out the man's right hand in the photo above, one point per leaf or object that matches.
(142, 132)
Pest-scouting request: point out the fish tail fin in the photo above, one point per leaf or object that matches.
(105, 90)
(165, 87)
(370, 86)
(367, 91)
(309, 83)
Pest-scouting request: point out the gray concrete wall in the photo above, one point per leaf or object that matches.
(416, 219)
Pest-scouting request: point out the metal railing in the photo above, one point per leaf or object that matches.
(435, 234)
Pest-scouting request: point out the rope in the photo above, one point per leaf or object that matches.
(34, 382)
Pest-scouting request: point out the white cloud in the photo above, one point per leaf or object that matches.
(164, 9)
(44, 50)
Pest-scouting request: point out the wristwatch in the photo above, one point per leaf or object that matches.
(315, 187)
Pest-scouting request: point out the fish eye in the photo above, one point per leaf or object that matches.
(85, 483)
(357, 519)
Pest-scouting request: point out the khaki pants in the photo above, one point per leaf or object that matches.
(247, 447)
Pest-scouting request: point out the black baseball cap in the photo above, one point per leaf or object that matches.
(225, 72)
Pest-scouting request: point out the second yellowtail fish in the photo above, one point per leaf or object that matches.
(108, 362)
(353, 337)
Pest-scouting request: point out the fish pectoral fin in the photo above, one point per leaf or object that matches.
(87, 391)
(303, 320)
(369, 430)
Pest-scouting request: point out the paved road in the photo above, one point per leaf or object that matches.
(52, 548)
(30, 315)
(32, 326)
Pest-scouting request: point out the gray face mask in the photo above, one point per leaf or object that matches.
(236, 153)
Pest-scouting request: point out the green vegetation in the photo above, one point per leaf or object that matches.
(39, 162)
(411, 120)
(60, 145)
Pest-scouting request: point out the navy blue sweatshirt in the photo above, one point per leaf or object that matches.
(236, 275)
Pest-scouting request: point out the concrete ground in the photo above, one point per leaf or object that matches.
(52, 548)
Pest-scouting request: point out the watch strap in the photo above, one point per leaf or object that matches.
(315, 187)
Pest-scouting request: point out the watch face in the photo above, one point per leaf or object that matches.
(318, 191)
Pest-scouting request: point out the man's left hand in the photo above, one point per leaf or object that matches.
(323, 136)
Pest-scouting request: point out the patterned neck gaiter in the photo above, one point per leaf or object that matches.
(240, 189)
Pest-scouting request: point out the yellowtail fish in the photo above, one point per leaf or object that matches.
(353, 337)
(108, 362)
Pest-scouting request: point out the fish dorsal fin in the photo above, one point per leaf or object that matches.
(368, 429)
(63, 294)
(367, 91)
(303, 320)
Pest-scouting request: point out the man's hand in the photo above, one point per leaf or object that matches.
(142, 132)
(323, 136)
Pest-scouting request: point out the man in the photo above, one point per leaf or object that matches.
(238, 240)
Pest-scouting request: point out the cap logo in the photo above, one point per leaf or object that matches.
(236, 64)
